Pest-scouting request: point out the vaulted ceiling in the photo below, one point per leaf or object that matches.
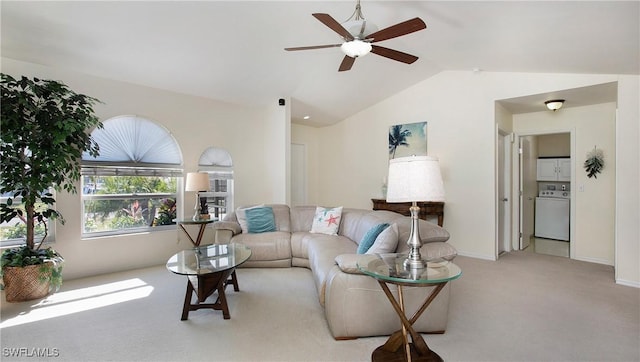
(233, 51)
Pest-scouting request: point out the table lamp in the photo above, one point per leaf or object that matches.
(414, 179)
(197, 182)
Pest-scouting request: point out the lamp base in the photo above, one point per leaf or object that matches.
(414, 264)
(414, 260)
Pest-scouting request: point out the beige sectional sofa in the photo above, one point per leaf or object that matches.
(354, 304)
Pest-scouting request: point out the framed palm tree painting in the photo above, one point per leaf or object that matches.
(408, 140)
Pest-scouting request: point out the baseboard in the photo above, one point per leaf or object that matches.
(628, 283)
(477, 256)
(595, 260)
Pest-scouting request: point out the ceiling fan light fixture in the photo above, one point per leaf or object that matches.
(554, 104)
(356, 48)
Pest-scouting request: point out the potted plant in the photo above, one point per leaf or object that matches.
(44, 133)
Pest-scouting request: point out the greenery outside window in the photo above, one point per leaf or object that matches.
(125, 204)
(14, 232)
(132, 186)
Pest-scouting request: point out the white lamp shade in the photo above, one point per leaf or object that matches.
(197, 181)
(415, 178)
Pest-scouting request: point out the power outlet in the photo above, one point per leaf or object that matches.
(581, 188)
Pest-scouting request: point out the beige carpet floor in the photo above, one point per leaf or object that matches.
(524, 307)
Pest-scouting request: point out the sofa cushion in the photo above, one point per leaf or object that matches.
(323, 250)
(274, 245)
(370, 237)
(326, 220)
(260, 220)
(436, 252)
(242, 217)
(386, 242)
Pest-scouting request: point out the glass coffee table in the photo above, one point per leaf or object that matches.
(209, 269)
(389, 269)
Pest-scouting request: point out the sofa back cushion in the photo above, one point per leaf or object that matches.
(280, 214)
(302, 218)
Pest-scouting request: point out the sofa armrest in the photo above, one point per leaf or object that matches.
(234, 227)
(225, 230)
(348, 263)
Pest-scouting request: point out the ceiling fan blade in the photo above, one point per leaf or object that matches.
(393, 54)
(327, 20)
(313, 47)
(394, 31)
(346, 64)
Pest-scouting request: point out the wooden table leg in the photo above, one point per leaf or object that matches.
(205, 286)
(187, 302)
(418, 349)
(233, 280)
(200, 234)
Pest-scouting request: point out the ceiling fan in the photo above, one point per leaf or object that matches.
(356, 44)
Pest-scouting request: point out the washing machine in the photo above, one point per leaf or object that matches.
(553, 210)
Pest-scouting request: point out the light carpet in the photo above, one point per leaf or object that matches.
(524, 307)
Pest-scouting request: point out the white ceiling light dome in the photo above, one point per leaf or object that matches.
(356, 48)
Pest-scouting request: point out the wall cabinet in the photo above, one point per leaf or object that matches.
(554, 169)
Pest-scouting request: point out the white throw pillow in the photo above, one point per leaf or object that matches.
(386, 242)
(242, 217)
(326, 220)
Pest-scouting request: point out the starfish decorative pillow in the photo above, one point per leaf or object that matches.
(326, 220)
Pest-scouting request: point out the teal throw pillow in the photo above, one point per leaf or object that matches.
(370, 237)
(260, 220)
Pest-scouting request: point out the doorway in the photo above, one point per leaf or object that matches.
(533, 148)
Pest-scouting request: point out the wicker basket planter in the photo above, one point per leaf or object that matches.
(28, 282)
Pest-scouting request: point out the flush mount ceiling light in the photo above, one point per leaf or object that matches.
(554, 104)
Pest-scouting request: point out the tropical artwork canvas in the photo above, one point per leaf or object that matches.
(408, 140)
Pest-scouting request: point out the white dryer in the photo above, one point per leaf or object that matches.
(553, 214)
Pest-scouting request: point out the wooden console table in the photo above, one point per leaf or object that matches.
(426, 208)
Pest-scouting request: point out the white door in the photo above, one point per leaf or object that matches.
(298, 175)
(528, 191)
(504, 209)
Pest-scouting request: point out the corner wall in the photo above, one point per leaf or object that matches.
(460, 110)
(196, 123)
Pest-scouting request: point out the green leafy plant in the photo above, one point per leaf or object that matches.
(594, 163)
(167, 212)
(44, 133)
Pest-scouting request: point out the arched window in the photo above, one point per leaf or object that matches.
(132, 185)
(218, 164)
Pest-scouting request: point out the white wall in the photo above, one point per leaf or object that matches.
(196, 123)
(593, 198)
(628, 182)
(461, 115)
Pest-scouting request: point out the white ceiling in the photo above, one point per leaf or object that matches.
(232, 51)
